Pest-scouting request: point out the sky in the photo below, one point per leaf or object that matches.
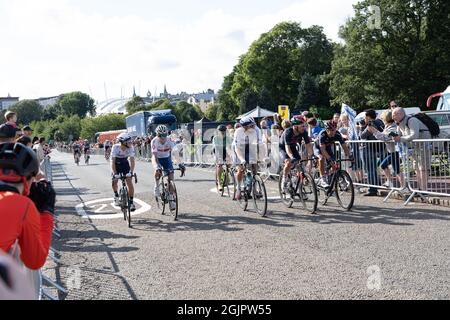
(105, 48)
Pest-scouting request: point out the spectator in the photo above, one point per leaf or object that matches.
(393, 157)
(286, 124)
(393, 105)
(26, 141)
(11, 119)
(410, 129)
(27, 131)
(7, 133)
(350, 135)
(337, 119)
(313, 128)
(277, 119)
(35, 139)
(20, 286)
(371, 151)
(39, 149)
(27, 208)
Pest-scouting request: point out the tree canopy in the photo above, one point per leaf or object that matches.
(27, 111)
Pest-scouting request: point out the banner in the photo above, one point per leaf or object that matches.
(284, 112)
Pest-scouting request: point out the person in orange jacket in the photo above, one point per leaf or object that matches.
(26, 207)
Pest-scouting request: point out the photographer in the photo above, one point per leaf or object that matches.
(371, 151)
(393, 157)
(27, 208)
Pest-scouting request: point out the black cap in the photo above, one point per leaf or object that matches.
(27, 128)
(7, 131)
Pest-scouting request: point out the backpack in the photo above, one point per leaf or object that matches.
(432, 125)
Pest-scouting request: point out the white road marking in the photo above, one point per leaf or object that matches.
(104, 203)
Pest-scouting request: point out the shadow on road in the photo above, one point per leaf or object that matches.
(196, 222)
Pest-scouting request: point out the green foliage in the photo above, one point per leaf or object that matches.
(110, 122)
(186, 112)
(135, 105)
(270, 73)
(27, 111)
(405, 59)
(75, 103)
(212, 112)
(62, 128)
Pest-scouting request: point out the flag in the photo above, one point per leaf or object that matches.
(353, 135)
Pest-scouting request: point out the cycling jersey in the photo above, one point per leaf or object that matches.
(20, 220)
(162, 150)
(76, 148)
(329, 142)
(290, 139)
(118, 152)
(221, 145)
(247, 142)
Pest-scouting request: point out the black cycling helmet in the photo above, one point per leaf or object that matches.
(19, 159)
(331, 125)
(222, 128)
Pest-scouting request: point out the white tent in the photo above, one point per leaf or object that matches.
(257, 113)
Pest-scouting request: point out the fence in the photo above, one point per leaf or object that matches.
(37, 277)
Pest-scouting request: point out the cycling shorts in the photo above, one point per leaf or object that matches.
(122, 166)
(166, 164)
(284, 156)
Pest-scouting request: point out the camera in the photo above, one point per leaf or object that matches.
(362, 123)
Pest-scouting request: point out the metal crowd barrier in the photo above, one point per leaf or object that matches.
(38, 278)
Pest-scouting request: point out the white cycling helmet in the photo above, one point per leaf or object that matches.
(162, 131)
(124, 137)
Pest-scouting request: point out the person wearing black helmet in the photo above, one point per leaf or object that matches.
(324, 149)
(26, 208)
(290, 143)
(222, 150)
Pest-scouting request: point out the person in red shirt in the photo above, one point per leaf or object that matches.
(26, 208)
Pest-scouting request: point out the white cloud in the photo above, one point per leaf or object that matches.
(54, 47)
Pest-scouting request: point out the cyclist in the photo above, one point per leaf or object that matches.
(222, 148)
(123, 163)
(87, 150)
(26, 208)
(108, 146)
(324, 149)
(76, 149)
(247, 144)
(162, 148)
(290, 143)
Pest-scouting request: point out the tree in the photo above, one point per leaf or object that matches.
(186, 112)
(404, 57)
(212, 112)
(248, 101)
(76, 103)
(227, 108)
(274, 65)
(109, 122)
(27, 111)
(135, 105)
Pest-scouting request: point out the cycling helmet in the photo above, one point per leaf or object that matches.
(124, 137)
(298, 120)
(222, 128)
(331, 125)
(247, 121)
(162, 131)
(17, 162)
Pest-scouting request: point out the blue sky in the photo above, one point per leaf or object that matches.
(55, 46)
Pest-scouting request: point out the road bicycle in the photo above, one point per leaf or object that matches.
(301, 188)
(165, 195)
(87, 157)
(340, 185)
(225, 181)
(77, 158)
(124, 198)
(254, 188)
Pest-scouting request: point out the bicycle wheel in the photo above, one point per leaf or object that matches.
(124, 202)
(322, 193)
(227, 183)
(286, 198)
(307, 192)
(174, 210)
(163, 197)
(345, 191)
(259, 195)
(243, 201)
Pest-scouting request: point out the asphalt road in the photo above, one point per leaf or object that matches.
(217, 251)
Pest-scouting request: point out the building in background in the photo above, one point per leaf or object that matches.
(6, 102)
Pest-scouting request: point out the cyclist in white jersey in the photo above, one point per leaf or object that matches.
(120, 154)
(162, 148)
